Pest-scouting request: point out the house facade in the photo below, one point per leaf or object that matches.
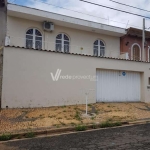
(43, 68)
(131, 43)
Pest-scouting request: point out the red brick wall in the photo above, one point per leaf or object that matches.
(132, 40)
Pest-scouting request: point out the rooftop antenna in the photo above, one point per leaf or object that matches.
(127, 24)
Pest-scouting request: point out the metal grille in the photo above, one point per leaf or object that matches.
(99, 48)
(29, 43)
(136, 53)
(62, 43)
(38, 44)
(37, 33)
(58, 47)
(33, 39)
(95, 50)
(30, 32)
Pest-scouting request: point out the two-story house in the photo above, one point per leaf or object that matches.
(131, 43)
(49, 59)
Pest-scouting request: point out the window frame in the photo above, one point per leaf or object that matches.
(34, 37)
(135, 44)
(62, 42)
(99, 48)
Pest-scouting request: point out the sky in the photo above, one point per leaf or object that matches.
(102, 15)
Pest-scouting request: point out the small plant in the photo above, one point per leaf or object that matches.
(94, 126)
(50, 116)
(80, 128)
(5, 137)
(117, 123)
(64, 111)
(89, 105)
(110, 119)
(29, 135)
(76, 108)
(73, 124)
(63, 106)
(62, 123)
(77, 116)
(18, 137)
(110, 124)
(24, 111)
(96, 112)
(92, 118)
(59, 118)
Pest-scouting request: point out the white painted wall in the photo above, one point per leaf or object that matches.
(17, 28)
(27, 81)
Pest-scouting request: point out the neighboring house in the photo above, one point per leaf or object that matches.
(80, 55)
(132, 44)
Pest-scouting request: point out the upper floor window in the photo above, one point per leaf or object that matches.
(62, 43)
(136, 52)
(33, 39)
(99, 48)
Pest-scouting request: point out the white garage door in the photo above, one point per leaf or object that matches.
(118, 86)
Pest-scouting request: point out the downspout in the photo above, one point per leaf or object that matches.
(3, 16)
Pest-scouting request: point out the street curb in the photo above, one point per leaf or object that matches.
(68, 130)
(140, 122)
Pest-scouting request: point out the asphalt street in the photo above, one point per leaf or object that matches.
(123, 138)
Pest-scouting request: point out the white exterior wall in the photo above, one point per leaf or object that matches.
(27, 81)
(78, 38)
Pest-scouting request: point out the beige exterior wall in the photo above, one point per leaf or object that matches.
(27, 81)
(78, 38)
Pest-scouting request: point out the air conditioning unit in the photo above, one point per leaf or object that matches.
(48, 26)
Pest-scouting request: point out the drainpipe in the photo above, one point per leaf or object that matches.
(3, 25)
(143, 41)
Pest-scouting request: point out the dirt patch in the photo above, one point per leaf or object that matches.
(54, 117)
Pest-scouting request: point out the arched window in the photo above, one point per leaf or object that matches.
(33, 39)
(136, 52)
(62, 43)
(99, 48)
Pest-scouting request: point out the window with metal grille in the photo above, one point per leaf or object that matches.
(62, 43)
(33, 39)
(99, 48)
(136, 52)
